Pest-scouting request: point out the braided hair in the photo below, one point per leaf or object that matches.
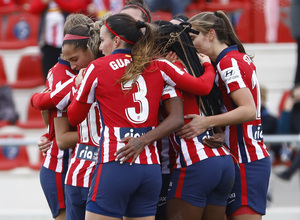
(176, 38)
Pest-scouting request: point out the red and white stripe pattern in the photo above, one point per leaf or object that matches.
(235, 71)
(56, 159)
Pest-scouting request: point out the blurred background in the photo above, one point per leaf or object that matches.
(30, 43)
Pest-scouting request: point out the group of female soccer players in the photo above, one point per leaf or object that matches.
(115, 80)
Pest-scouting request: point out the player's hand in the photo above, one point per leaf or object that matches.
(203, 58)
(79, 77)
(215, 141)
(171, 56)
(132, 149)
(194, 128)
(44, 144)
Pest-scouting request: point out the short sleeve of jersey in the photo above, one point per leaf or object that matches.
(170, 92)
(230, 74)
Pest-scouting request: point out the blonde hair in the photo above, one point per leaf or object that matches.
(75, 19)
(94, 41)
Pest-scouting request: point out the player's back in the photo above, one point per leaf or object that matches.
(129, 109)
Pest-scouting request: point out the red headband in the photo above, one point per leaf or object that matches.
(140, 9)
(114, 33)
(74, 37)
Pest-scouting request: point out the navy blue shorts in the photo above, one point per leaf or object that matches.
(251, 186)
(54, 189)
(162, 202)
(76, 198)
(119, 190)
(206, 182)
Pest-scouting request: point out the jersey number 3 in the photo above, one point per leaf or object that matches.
(140, 98)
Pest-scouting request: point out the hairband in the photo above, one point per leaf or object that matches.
(140, 9)
(74, 37)
(114, 33)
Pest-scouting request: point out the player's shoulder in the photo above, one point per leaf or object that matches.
(232, 59)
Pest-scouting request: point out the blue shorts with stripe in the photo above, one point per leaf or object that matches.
(251, 186)
(119, 190)
(162, 202)
(76, 198)
(54, 189)
(206, 182)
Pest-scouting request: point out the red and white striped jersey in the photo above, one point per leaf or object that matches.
(190, 151)
(131, 109)
(85, 153)
(236, 70)
(56, 159)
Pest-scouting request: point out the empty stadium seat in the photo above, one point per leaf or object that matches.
(13, 156)
(34, 119)
(29, 72)
(20, 30)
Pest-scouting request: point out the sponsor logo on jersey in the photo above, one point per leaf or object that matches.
(257, 132)
(134, 132)
(86, 152)
(230, 75)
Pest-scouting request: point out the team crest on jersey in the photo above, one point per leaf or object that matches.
(134, 132)
(86, 152)
(257, 132)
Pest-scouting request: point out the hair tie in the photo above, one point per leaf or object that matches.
(114, 33)
(140, 9)
(74, 37)
(179, 19)
(140, 24)
(216, 13)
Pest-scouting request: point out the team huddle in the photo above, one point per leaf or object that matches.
(152, 121)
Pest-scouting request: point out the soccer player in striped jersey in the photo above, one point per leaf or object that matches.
(238, 83)
(128, 85)
(203, 173)
(55, 166)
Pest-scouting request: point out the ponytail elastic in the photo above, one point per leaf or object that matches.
(216, 13)
(140, 24)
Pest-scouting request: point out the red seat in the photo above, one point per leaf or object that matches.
(34, 119)
(20, 30)
(13, 156)
(37, 166)
(29, 72)
(2, 73)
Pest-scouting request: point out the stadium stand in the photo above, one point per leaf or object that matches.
(29, 72)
